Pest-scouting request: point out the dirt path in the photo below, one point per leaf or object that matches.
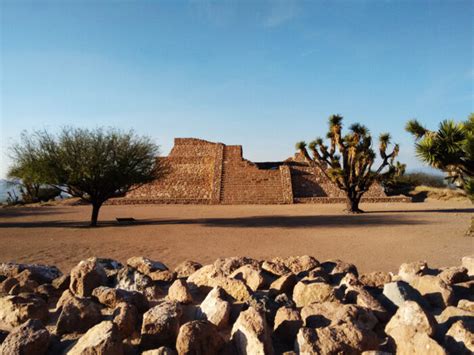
(381, 239)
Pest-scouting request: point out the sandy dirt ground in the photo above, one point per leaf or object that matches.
(381, 239)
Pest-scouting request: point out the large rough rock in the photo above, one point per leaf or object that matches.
(376, 279)
(153, 269)
(101, 339)
(287, 324)
(450, 315)
(29, 338)
(215, 309)
(408, 271)
(179, 292)
(199, 337)
(412, 328)
(131, 280)
(227, 266)
(284, 284)
(126, 317)
(460, 338)
(111, 297)
(300, 264)
(337, 269)
(251, 275)
(39, 273)
(434, 290)
(276, 267)
(187, 268)
(318, 315)
(251, 334)
(86, 276)
(399, 291)
(160, 325)
(339, 339)
(202, 278)
(15, 310)
(76, 314)
(454, 275)
(306, 293)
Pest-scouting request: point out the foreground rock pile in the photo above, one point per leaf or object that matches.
(238, 305)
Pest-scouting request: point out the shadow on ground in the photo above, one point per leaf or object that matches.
(323, 221)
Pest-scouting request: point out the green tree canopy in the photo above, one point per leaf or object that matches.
(94, 165)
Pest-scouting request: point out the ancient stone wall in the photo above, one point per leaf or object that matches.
(198, 171)
(189, 177)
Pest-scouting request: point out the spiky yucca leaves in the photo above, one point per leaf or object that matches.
(348, 160)
(450, 149)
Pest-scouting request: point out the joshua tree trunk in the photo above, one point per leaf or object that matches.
(95, 213)
(352, 202)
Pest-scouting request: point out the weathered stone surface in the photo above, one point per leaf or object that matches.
(408, 271)
(251, 335)
(179, 292)
(199, 337)
(103, 339)
(126, 317)
(466, 305)
(434, 290)
(160, 325)
(419, 344)
(376, 279)
(251, 275)
(287, 324)
(450, 315)
(339, 339)
(131, 280)
(111, 297)
(324, 314)
(153, 269)
(187, 268)
(399, 291)
(39, 273)
(284, 284)
(454, 275)
(337, 269)
(306, 342)
(356, 293)
(306, 293)
(460, 338)
(468, 263)
(227, 266)
(76, 314)
(110, 266)
(203, 277)
(86, 276)
(215, 309)
(237, 289)
(29, 338)
(62, 282)
(17, 309)
(409, 320)
(277, 268)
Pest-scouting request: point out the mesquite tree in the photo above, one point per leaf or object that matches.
(348, 160)
(94, 165)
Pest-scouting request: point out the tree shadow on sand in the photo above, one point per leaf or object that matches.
(276, 221)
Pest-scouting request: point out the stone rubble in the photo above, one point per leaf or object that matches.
(237, 305)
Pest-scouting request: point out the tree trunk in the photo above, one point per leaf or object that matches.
(353, 204)
(95, 214)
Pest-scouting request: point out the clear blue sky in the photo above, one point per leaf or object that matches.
(263, 74)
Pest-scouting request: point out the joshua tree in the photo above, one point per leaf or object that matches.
(450, 149)
(94, 165)
(348, 160)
